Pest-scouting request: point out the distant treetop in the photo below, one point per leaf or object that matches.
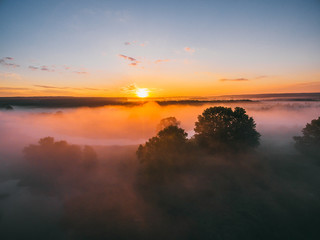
(166, 122)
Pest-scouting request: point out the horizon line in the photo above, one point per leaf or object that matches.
(193, 96)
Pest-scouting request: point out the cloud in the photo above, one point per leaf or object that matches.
(53, 68)
(70, 88)
(130, 88)
(4, 62)
(9, 75)
(133, 88)
(135, 43)
(189, 50)
(95, 89)
(134, 62)
(45, 68)
(162, 60)
(81, 72)
(233, 79)
(128, 58)
(241, 79)
(42, 68)
(50, 87)
(33, 68)
(12, 88)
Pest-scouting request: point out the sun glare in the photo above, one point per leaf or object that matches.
(142, 92)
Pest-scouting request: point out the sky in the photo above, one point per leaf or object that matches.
(169, 48)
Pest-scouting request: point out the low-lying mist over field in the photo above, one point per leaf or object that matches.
(122, 125)
(73, 173)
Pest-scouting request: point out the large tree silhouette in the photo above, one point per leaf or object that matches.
(164, 153)
(221, 128)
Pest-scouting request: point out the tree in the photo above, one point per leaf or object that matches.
(164, 153)
(221, 128)
(309, 143)
(166, 122)
(52, 165)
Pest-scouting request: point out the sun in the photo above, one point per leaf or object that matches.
(142, 92)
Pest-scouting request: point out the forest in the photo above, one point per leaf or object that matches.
(217, 184)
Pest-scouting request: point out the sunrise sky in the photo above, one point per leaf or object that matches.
(169, 48)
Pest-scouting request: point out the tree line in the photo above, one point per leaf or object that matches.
(218, 130)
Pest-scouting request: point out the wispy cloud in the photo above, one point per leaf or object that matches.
(6, 61)
(161, 61)
(241, 79)
(46, 68)
(233, 79)
(130, 88)
(81, 72)
(135, 43)
(12, 88)
(70, 88)
(54, 68)
(51, 87)
(127, 57)
(10, 75)
(189, 50)
(33, 68)
(95, 89)
(133, 88)
(42, 68)
(133, 61)
(133, 64)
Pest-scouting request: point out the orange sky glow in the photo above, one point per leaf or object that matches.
(111, 50)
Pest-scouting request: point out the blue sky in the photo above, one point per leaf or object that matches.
(193, 45)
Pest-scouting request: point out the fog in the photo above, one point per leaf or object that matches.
(118, 125)
(85, 181)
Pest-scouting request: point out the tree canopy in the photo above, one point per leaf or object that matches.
(163, 153)
(170, 139)
(221, 128)
(166, 122)
(309, 142)
(51, 164)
